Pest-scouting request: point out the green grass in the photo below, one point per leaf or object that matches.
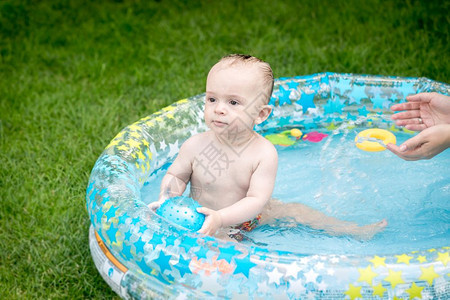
(74, 73)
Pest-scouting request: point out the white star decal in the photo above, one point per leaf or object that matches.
(297, 287)
(319, 266)
(173, 149)
(311, 276)
(162, 145)
(274, 276)
(292, 270)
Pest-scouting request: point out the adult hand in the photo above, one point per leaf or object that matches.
(213, 221)
(425, 145)
(422, 111)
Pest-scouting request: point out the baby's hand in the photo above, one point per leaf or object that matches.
(213, 221)
(155, 205)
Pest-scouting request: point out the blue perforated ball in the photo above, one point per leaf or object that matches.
(182, 211)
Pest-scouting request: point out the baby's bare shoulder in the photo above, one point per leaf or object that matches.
(265, 147)
(197, 141)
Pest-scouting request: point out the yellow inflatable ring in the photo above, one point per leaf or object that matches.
(374, 139)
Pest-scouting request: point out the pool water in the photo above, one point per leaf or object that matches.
(342, 181)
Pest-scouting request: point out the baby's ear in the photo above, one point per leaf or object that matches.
(263, 114)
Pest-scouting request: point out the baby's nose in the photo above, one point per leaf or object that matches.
(220, 108)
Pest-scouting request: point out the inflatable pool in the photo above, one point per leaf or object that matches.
(141, 255)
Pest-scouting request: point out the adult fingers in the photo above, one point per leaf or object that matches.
(412, 124)
(405, 106)
(416, 124)
(409, 114)
(415, 127)
(422, 97)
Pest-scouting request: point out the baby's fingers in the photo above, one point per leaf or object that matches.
(206, 228)
(154, 205)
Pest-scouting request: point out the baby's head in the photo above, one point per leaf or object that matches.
(238, 89)
(263, 69)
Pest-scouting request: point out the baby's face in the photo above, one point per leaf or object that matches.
(234, 98)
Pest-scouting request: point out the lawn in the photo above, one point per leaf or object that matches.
(74, 73)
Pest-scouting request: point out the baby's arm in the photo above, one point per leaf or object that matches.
(260, 190)
(177, 176)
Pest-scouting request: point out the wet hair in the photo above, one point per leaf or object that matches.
(265, 68)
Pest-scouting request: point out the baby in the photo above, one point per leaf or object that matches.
(232, 168)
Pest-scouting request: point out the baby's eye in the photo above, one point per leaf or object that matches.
(211, 99)
(234, 102)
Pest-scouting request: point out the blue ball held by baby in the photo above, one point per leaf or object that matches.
(182, 211)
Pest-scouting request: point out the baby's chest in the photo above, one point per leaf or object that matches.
(222, 170)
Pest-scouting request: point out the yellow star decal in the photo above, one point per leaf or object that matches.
(145, 143)
(136, 134)
(353, 291)
(158, 119)
(149, 123)
(331, 127)
(443, 257)
(421, 258)
(378, 261)
(169, 108)
(133, 126)
(114, 142)
(404, 258)
(123, 147)
(133, 143)
(141, 155)
(415, 291)
(393, 128)
(431, 250)
(367, 274)
(149, 154)
(181, 101)
(394, 278)
(120, 134)
(170, 116)
(428, 274)
(378, 290)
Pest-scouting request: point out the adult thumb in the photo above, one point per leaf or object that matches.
(411, 144)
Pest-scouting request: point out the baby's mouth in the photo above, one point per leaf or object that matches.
(219, 123)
